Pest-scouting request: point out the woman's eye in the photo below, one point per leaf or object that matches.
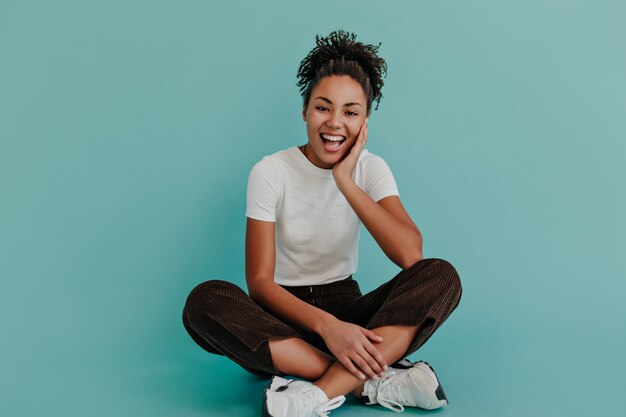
(351, 113)
(321, 108)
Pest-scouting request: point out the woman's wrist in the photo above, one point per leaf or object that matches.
(325, 322)
(343, 183)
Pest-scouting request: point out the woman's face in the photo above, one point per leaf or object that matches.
(336, 110)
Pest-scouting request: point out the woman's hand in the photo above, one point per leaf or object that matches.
(342, 170)
(352, 346)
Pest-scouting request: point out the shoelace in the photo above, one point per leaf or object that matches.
(325, 408)
(386, 391)
(308, 401)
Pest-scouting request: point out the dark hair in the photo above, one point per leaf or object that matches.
(340, 54)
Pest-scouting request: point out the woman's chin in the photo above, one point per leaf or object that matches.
(331, 162)
(330, 159)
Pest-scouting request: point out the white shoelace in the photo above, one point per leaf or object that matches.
(325, 408)
(388, 391)
(308, 401)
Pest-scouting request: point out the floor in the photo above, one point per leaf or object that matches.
(513, 380)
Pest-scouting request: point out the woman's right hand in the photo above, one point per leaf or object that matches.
(352, 346)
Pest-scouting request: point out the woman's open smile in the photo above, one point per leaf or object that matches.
(332, 143)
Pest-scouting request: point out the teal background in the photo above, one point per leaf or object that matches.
(128, 129)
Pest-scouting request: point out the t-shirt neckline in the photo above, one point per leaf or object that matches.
(309, 166)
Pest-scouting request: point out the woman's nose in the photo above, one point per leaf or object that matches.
(333, 120)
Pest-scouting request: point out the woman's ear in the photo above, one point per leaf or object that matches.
(304, 114)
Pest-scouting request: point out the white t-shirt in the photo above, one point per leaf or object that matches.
(317, 231)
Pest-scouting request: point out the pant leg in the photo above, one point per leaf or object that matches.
(424, 294)
(221, 318)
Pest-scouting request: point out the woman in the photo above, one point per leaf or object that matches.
(305, 315)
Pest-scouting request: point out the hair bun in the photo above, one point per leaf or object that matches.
(340, 53)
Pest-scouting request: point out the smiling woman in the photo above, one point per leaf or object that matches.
(305, 315)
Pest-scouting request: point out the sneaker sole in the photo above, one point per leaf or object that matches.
(266, 412)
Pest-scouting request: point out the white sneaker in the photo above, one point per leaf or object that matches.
(291, 398)
(414, 385)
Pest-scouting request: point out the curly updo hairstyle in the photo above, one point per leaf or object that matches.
(340, 54)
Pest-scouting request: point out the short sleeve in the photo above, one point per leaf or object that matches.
(378, 179)
(263, 191)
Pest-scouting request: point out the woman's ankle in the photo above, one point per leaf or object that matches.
(357, 392)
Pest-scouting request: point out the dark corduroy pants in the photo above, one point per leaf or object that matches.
(223, 319)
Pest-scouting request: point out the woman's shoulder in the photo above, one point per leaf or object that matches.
(279, 156)
(371, 160)
(271, 164)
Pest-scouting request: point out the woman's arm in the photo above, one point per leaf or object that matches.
(351, 344)
(389, 224)
(260, 264)
(387, 221)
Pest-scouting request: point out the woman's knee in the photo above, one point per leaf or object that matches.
(209, 294)
(441, 274)
(449, 284)
(449, 275)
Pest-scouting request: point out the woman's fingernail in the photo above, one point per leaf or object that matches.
(385, 367)
(362, 376)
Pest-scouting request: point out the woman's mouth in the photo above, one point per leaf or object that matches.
(332, 143)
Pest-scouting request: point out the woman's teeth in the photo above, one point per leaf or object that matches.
(332, 142)
(332, 138)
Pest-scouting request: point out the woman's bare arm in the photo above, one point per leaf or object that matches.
(260, 264)
(386, 220)
(388, 223)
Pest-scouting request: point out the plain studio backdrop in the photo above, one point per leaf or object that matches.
(128, 129)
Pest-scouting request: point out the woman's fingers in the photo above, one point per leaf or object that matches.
(347, 363)
(364, 133)
(361, 139)
(361, 135)
(371, 361)
(381, 363)
(371, 349)
(362, 358)
(363, 364)
(358, 144)
(371, 335)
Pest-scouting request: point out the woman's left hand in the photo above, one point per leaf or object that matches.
(342, 171)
